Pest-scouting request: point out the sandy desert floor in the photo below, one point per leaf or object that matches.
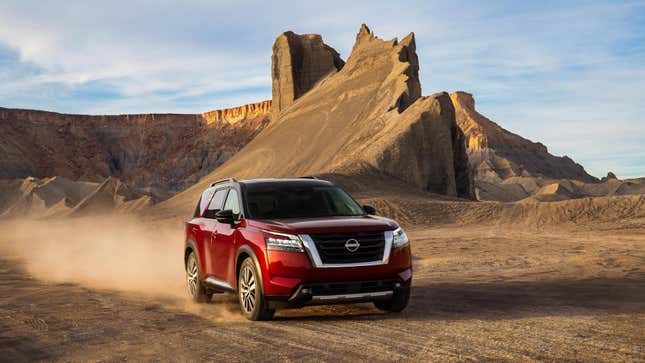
(479, 293)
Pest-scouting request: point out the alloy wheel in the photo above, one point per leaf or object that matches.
(247, 289)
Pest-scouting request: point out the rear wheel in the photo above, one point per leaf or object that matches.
(397, 303)
(196, 289)
(251, 293)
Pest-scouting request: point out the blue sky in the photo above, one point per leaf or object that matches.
(568, 74)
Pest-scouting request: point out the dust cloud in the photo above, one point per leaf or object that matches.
(107, 252)
(118, 253)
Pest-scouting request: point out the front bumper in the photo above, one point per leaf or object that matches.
(350, 292)
(289, 271)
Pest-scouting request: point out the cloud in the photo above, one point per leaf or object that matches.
(568, 74)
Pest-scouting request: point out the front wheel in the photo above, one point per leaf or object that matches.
(252, 301)
(397, 303)
(196, 289)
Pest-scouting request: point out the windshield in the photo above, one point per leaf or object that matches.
(270, 201)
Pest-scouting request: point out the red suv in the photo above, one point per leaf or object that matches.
(281, 243)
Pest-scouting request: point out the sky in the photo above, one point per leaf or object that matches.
(570, 74)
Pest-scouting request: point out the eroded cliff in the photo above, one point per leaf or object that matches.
(507, 166)
(159, 153)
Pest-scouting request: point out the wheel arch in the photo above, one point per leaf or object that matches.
(244, 252)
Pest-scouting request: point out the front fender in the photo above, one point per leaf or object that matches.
(259, 265)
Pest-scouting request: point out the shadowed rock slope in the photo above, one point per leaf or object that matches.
(367, 119)
(161, 153)
(297, 64)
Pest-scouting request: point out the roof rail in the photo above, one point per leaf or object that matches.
(227, 180)
(308, 177)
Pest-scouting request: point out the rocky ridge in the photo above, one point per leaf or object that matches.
(158, 153)
(497, 153)
(62, 197)
(237, 114)
(360, 123)
(508, 167)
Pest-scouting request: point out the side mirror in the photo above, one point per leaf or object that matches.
(210, 213)
(225, 216)
(369, 209)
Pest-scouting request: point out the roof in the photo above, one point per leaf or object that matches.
(271, 181)
(282, 181)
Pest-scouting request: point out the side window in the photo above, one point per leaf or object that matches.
(215, 204)
(232, 202)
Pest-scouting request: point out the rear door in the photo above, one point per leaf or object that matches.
(209, 228)
(224, 240)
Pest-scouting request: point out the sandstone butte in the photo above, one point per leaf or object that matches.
(365, 119)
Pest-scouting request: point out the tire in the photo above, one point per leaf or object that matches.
(253, 304)
(397, 303)
(196, 290)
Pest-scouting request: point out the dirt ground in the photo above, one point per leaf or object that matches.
(479, 294)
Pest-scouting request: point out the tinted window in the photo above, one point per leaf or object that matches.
(299, 201)
(232, 202)
(216, 203)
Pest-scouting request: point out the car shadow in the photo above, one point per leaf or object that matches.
(499, 300)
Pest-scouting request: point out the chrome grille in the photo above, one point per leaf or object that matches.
(331, 246)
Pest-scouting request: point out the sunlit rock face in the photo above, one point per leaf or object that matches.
(234, 115)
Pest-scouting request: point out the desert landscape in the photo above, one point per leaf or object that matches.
(518, 254)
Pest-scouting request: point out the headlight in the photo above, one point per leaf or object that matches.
(283, 242)
(400, 239)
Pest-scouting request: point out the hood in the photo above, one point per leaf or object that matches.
(326, 225)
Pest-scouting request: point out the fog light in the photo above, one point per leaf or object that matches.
(397, 285)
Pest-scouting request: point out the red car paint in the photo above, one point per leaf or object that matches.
(220, 246)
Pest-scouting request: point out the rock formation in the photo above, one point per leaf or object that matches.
(500, 153)
(610, 175)
(297, 64)
(366, 119)
(58, 197)
(163, 153)
(237, 114)
(364, 124)
(498, 158)
(108, 196)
